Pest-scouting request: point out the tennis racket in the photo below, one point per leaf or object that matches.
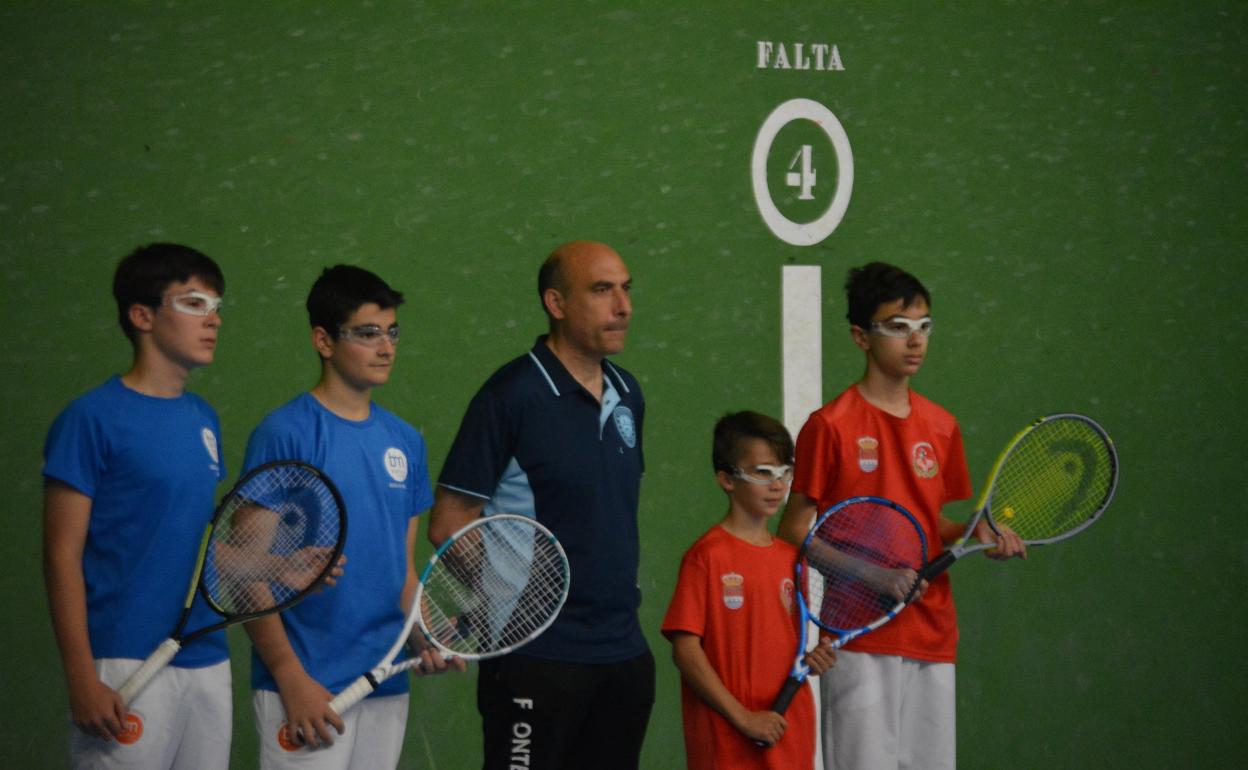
(493, 586)
(857, 569)
(272, 540)
(1053, 479)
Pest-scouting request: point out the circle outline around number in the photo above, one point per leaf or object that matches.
(785, 229)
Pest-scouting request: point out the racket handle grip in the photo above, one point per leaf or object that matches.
(355, 692)
(939, 565)
(782, 701)
(143, 674)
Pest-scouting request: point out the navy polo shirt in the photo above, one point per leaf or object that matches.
(534, 442)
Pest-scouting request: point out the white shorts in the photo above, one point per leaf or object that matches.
(181, 720)
(372, 740)
(885, 712)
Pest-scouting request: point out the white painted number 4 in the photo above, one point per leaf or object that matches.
(801, 173)
(804, 177)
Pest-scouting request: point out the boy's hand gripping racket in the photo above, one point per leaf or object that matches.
(492, 587)
(1053, 479)
(272, 540)
(857, 569)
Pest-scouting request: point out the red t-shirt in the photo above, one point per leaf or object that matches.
(850, 448)
(739, 599)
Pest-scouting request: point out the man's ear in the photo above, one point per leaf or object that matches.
(553, 301)
(725, 481)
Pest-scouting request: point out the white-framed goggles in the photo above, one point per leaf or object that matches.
(902, 327)
(764, 475)
(195, 303)
(369, 335)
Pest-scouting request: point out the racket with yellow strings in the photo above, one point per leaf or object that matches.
(1051, 482)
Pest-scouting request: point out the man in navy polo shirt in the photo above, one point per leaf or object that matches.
(556, 434)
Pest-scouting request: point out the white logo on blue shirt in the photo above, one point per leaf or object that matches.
(624, 424)
(396, 464)
(210, 443)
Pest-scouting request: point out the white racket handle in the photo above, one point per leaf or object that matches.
(361, 688)
(154, 663)
(355, 692)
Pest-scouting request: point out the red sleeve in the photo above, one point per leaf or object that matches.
(815, 459)
(957, 477)
(687, 612)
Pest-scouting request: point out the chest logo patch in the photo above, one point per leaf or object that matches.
(210, 443)
(868, 453)
(396, 464)
(923, 457)
(786, 594)
(734, 590)
(624, 424)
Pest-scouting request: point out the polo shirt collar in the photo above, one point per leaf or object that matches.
(559, 378)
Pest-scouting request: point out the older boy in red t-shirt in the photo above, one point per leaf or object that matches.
(890, 701)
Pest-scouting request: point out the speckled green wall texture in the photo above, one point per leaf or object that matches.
(1068, 178)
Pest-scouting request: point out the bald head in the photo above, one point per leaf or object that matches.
(564, 259)
(585, 289)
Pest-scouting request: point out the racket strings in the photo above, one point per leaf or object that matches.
(274, 539)
(860, 563)
(1058, 477)
(494, 589)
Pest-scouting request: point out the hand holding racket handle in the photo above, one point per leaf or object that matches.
(154, 663)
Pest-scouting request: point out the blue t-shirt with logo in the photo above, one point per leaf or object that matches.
(151, 467)
(379, 465)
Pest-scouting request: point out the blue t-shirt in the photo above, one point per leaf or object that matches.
(534, 442)
(379, 465)
(150, 466)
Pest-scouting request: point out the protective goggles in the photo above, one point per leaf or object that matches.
(902, 327)
(195, 303)
(764, 475)
(369, 335)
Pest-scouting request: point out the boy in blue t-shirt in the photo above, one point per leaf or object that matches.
(131, 468)
(315, 649)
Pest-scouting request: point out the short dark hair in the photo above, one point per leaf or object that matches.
(343, 289)
(876, 283)
(733, 430)
(143, 275)
(550, 276)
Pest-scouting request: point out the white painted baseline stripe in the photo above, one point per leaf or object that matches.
(802, 338)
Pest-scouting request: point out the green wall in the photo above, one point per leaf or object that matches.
(1067, 177)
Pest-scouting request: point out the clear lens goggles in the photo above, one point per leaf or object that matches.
(902, 327)
(764, 475)
(370, 335)
(195, 303)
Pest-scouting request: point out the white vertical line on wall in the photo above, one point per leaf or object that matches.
(801, 330)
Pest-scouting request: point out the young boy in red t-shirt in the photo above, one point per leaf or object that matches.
(890, 701)
(732, 620)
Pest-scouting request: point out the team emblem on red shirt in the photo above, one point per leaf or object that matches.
(734, 590)
(923, 457)
(786, 594)
(868, 453)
